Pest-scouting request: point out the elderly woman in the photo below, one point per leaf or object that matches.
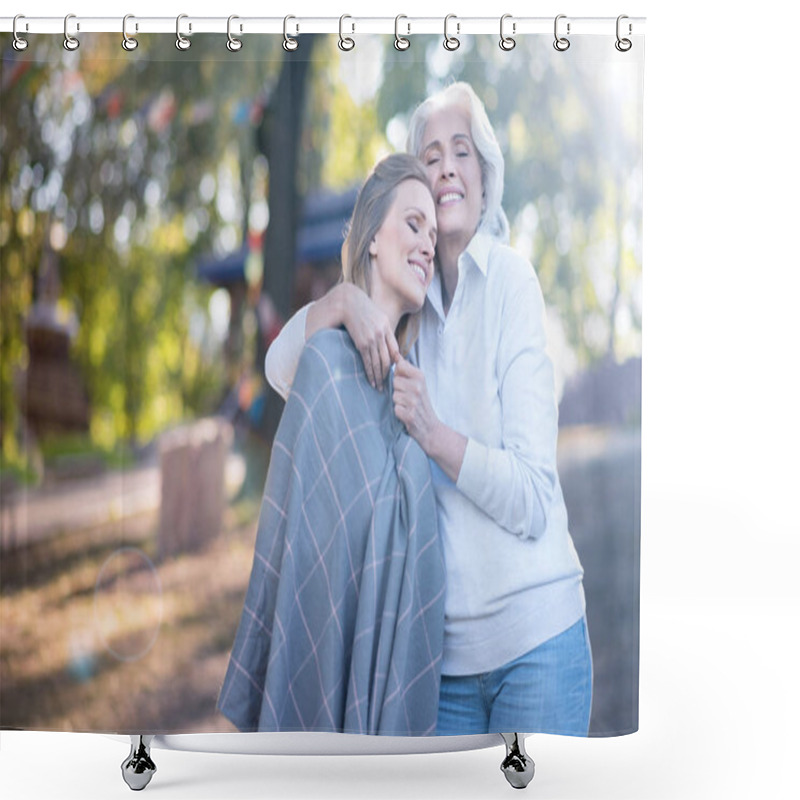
(479, 398)
(343, 622)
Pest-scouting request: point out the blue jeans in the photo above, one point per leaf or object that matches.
(548, 690)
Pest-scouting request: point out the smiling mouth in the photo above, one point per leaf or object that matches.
(450, 197)
(419, 272)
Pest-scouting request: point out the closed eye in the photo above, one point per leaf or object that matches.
(432, 154)
(462, 145)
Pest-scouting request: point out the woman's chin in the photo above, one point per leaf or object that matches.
(415, 302)
(416, 306)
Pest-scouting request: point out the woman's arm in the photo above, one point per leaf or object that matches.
(283, 355)
(515, 482)
(345, 304)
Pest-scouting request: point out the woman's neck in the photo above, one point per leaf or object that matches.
(447, 255)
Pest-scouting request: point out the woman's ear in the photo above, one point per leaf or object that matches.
(373, 247)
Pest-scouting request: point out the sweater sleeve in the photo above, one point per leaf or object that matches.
(515, 482)
(283, 355)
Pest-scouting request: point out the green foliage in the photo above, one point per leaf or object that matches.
(344, 135)
(113, 160)
(66, 446)
(132, 165)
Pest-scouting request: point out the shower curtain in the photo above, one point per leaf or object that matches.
(165, 212)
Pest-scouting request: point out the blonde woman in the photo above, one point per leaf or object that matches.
(342, 626)
(478, 395)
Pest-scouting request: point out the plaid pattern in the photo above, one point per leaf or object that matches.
(343, 621)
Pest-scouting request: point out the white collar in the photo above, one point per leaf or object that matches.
(477, 251)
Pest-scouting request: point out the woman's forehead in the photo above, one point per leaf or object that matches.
(412, 193)
(446, 124)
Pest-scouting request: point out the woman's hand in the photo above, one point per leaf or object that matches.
(371, 332)
(412, 406)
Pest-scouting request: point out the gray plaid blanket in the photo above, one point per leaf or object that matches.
(343, 621)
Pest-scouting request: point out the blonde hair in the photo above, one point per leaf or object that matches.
(461, 95)
(372, 205)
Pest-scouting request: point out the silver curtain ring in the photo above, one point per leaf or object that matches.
(70, 42)
(289, 42)
(128, 42)
(233, 44)
(561, 43)
(345, 42)
(400, 42)
(623, 45)
(19, 43)
(451, 42)
(507, 42)
(181, 42)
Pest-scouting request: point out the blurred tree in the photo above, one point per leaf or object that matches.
(25, 161)
(131, 165)
(279, 138)
(109, 160)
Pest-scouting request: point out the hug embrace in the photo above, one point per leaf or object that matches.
(414, 572)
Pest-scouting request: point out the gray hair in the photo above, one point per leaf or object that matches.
(461, 95)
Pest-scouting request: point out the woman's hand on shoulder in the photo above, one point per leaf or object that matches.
(371, 332)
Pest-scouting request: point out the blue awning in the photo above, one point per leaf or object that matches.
(319, 239)
(223, 271)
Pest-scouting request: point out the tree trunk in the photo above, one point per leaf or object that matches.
(279, 138)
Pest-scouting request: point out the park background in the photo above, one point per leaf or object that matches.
(717, 713)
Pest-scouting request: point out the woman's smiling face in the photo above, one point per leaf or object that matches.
(402, 250)
(453, 168)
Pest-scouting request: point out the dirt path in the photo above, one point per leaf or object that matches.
(56, 672)
(82, 503)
